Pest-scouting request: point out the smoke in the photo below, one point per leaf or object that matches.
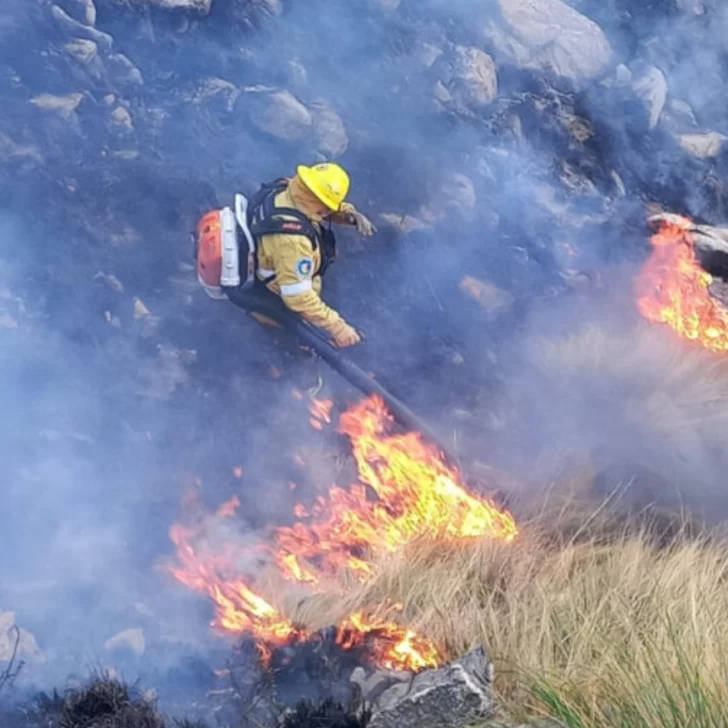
(110, 414)
(643, 409)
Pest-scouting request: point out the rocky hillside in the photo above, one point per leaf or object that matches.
(508, 151)
(513, 132)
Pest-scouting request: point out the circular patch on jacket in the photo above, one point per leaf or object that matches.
(304, 267)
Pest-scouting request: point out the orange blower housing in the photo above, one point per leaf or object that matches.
(209, 249)
(216, 252)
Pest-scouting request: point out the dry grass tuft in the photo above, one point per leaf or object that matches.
(599, 619)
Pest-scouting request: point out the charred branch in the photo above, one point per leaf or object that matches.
(11, 672)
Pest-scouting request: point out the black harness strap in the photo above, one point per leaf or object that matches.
(264, 218)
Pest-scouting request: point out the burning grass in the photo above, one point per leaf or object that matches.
(405, 488)
(674, 289)
(615, 626)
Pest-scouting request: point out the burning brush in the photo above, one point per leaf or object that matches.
(405, 489)
(674, 289)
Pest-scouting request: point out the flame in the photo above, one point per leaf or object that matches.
(405, 490)
(320, 413)
(673, 288)
(321, 409)
(405, 649)
(229, 508)
(417, 493)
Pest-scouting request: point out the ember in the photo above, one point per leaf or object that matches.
(405, 490)
(673, 288)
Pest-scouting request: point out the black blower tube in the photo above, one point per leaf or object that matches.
(268, 304)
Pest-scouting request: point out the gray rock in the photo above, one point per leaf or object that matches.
(619, 78)
(277, 112)
(64, 106)
(703, 146)
(121, 121)
(651, 89)
(196, 6)
(374, 685)
(493, 300)
(132, 639)
(214, 91)
(679, 117)
(469, 80)
(10, 150)
(83, 50)
(122, 71)
(82, 10)
(329, 130)
(548, 35)
(452, 696)
(251, 11)
(76, 29)
(427, 53)
(708, 239)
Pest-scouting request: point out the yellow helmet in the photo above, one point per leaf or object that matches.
(327, 181)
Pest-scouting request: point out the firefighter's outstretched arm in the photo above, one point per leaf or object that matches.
(294, 275)
(349, 215)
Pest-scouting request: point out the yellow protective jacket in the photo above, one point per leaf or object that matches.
(295, 265)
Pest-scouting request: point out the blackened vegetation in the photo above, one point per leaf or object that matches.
(105, 702)
(108, 702)
(305, 685)
(326, 714)
(265, 689)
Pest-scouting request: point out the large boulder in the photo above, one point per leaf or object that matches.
(651, 88)
(276, 112)
(196, 6)
(455, 200)
(703, 146)
(76, 29)
(122, 72)
(550, 36)
(329, 130)
(467, 79)
(452, 696)
(84, 11)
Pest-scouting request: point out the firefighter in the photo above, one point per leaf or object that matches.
(290, 219)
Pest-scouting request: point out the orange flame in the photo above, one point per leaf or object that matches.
(405, 649)
(321, 409)
(229, 508)
(673, 288)
(405, 490)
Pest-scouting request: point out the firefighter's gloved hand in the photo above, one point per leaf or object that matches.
(344, 335)
(363, 224)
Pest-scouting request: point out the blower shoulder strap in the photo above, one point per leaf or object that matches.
(280, 222)
(265, 218)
